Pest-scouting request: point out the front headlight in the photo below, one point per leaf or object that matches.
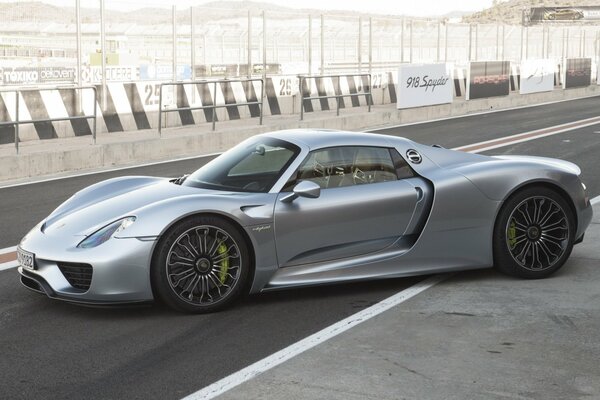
(103, 234)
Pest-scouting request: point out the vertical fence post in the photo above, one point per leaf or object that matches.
(214, 108)
(322, 44)
(17, 121)
(160, 109)
(337, 97)
(174, 56)
(497, 41)
(359, 45)
(567, 44)
(264, 35)
(370, 45)
(262, 100)
(78, 29)
(249, 44)
(470, 41)
(192, 44)
(193, 51)
(103, 52)
(410, 41)
(522, 39)
(439, 41)
(446, 42)
(309, 44)
(476, 42)
(94, 132)
(503, 44)
(582, 52)
(543, 41)
(402, 41)
(526, 42)
(370, 98)
(301, 91)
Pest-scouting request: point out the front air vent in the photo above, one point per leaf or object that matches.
(78, 275)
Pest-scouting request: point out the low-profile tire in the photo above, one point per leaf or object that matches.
(534, 233)
(200, 265)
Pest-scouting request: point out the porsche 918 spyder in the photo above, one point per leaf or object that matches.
(305, 207)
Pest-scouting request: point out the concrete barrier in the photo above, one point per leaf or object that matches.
(48, 157)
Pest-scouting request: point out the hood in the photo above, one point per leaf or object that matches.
(551, 162)
(101, 204)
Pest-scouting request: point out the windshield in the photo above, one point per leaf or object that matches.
(252, 166)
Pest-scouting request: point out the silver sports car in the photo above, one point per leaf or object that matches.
(305, 207)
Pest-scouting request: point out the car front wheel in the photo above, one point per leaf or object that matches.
(534, 233)
(201, 265)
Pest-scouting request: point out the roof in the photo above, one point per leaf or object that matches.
(320, 138)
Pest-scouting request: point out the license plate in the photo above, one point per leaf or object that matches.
(25, 259)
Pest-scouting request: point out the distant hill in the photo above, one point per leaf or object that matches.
(510, 11)
(35, 11)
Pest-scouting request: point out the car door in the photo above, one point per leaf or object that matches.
(364, 205)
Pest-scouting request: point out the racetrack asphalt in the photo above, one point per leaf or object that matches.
(56, 350)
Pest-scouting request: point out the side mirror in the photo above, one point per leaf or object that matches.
(307, 189)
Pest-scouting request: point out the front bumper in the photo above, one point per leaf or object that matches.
(121, 271)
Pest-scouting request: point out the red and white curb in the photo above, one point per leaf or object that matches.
(8, 258)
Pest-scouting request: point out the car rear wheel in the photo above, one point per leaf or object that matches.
(201, 265)
(534, 233)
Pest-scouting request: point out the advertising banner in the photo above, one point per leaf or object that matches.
(536, 76)
(424, 85)
(157, 71)
(37, 75)
(578, 72)
(488, 79)
(549, 14)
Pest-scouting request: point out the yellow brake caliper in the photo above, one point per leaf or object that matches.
(512, 234)
(222, 250)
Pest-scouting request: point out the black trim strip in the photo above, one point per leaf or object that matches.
(308, 107)
(7, 132)
(232, 111)
(111, 118)
(272, 98)
(353, 90)
(186, 115)
(71, 98)
(251, 97)
(137, 108)
(392, 88)
(37, 110)
(322, 92)
(206, 99)
(338, 91)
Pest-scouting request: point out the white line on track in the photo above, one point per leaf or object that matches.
(595, 200)
(527, 136)
(475, 114)
(8, 250)
(8, 265)
(311, 341)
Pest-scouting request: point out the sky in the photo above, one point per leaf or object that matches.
(421, 8)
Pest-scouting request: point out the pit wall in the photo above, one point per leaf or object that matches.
(133, 106)
(40, 160)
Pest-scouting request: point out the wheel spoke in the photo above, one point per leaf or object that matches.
(543, 229)
(195, 265)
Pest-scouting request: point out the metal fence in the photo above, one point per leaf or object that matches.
(213, 102)
(76, 95)
(95, 41)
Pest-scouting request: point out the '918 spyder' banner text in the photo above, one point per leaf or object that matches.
(424, 85)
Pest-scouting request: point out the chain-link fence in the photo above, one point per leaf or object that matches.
(95, 41)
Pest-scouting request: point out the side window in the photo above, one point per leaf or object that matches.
(346, 166)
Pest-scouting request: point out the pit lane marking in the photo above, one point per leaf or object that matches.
(275, 359)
